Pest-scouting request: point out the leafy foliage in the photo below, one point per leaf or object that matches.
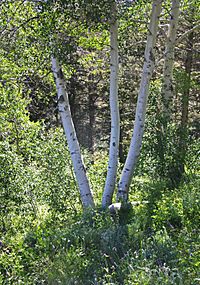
(48, 240)
(45, 236)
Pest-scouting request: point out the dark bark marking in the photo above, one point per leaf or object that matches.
(151, 56)
(60, 74)
(61, 99)
(122, 191)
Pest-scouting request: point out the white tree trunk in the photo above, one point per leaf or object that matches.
(136, 141)
(74, 148)
(167, 86)
(114, 109)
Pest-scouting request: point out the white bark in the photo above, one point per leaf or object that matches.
(116, 207)
(138, 131)
(74, 148)
(114, 109)
(167, 87)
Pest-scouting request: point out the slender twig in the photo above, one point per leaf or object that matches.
(187, 33)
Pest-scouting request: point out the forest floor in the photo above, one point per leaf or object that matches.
(155, 242)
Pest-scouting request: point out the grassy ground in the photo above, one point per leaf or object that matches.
(47, 239)
(156, 242)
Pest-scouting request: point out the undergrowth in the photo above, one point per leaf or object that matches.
(47, 239)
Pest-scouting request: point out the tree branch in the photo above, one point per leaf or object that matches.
(187, 33)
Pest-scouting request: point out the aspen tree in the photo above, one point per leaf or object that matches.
(167, 86)
(136, 141)
(114, 110)
(74, 148)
